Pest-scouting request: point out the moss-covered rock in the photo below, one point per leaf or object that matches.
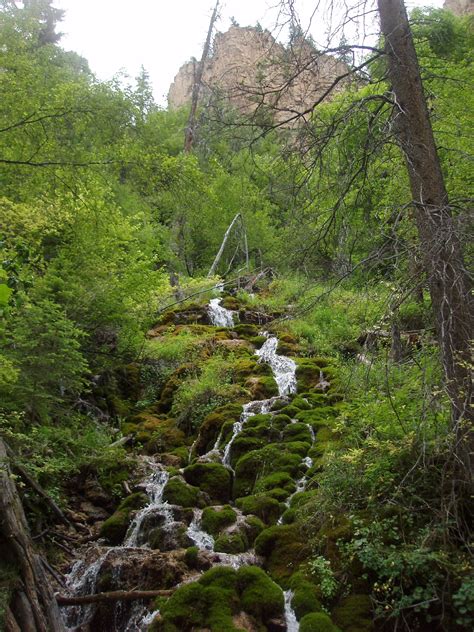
(259, 595)
(215, 519)
(260, 463)
(253, 526)
(212, 426)
(172, 385)
(261, 387)
(231, 543)
(297, 432)
(115, 528)
(230, 302)
(281, 480)
(354, 614)
(263, 506)
(291, 410)
(245, 330)
(317, 622)
(177, 492)
(212, 478)
(284, 548)
(305, 595)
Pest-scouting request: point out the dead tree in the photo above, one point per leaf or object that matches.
(440, 246)
(198, 72)
(33, 606)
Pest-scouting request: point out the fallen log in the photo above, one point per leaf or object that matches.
(117, 595)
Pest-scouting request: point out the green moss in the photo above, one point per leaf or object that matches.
(261, 505)
(231, 543)
(317, 622)
(276, 479)
(260, 463)
(291, 410)
(298, 447)
(284, 548)
(253, 527)
(212, 478)
(191, 556)
(185, 608)
(172, 385)
(230, 302)
(261, 387)
(177, 492)
(305, 595)
(115, 528)
(222, 576)
(182, 453)
(245, 330)
(301, 402)
(259, 595)
(278, 494)
(354, 614)
(297, 432)
(212, 425)
(214, 520)
(317, 417)
(257, 341)
(244, 444)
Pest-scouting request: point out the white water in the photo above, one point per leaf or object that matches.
(220, 317)
(284, 369)
(292, 624)
(154, 489)
(203, 540)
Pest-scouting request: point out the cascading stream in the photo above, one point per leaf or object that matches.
(83, 578)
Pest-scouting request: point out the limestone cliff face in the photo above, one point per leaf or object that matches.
(252, 71)
(459, 7)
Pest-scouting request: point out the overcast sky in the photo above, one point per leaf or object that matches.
(122, 35)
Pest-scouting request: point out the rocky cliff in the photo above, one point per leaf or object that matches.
(249, 68)
(459, 7)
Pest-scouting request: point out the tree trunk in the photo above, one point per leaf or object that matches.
(33, 605)
(198, 72)
(440, 246)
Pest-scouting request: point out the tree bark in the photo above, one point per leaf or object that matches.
(33, 606)
(448, 281)
(198, 72)
(117, 595)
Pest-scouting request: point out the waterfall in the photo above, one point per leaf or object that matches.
(284, 369)
(220, 317)
(292, 624)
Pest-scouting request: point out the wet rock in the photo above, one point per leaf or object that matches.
(277, 624)
(170, 537)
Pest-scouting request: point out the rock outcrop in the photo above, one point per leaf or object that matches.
(459, 7)
(254, 72)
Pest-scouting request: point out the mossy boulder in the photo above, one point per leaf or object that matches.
(177, 492)
(259, 595)
(115, 528)
(212, 478)
(253, 526)
(354, 614)
(284, 548)
(212, 426)
(263, 506)
(306, 595)
(297, 432)
(317, 622)
(246, 330)
(220, 594)
(259, 463)
(261, 387)
(166, 539)
(173, 383)
(291, 410)
(280, 480)
(310, 371)
(214, 519)
(234, 542)
(230, 302)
